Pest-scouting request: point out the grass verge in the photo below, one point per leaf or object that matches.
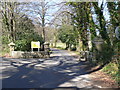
(113, 70)
(4, 51)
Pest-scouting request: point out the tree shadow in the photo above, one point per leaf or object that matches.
(49, 77)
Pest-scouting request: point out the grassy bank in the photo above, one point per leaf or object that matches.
(112, 70)
(4, 50)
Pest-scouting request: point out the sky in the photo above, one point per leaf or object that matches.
(105, 11)
(53, 9)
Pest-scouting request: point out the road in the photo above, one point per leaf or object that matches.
(62, 69)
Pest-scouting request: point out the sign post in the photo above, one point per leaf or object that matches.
(35, 45)
(117, 32)
(98, 42)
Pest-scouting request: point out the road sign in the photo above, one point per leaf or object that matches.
(117, 32)
(35, 44)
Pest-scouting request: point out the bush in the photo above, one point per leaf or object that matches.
(21, 45)
(25, 44)
(5, 40)
(104, 56)
(5, 49)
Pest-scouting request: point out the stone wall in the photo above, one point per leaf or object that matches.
(21, 54)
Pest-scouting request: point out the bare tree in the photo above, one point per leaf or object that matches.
(8, 17)
(11, 13)
(40, 14)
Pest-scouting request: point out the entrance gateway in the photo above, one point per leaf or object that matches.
(35, 44)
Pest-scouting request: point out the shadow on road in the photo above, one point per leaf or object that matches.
(52, 77)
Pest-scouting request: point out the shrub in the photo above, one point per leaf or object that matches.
(25, 44)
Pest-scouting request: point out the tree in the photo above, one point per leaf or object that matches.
(114, 10)
(8, 17)
(67, 35)
(40, 14)
(17, 26)
(83, 22)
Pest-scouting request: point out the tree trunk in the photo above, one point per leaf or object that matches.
(80, 44)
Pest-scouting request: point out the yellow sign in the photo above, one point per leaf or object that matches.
(35, 44)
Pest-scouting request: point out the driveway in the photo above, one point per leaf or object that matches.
(62, 69)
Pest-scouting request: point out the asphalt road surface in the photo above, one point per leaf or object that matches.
(62, 69)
